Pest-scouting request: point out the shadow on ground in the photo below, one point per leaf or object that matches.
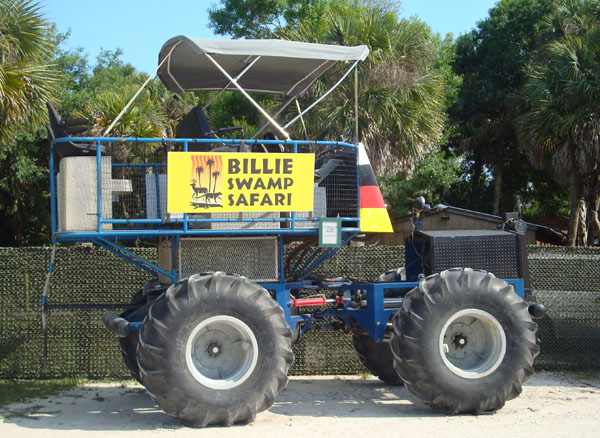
(128, 407)
(112, 407)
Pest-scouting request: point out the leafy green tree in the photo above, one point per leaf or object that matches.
(401, 91)
(261, 18)
(432, 178)
(27, 79)
(560, 124)
(24, 195)
(84, 89)
(491, 59)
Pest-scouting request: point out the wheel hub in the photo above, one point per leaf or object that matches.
(221, 352)
(214, 349)
(472, 343)
(459, 341)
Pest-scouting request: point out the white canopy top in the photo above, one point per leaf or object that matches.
(283, 67)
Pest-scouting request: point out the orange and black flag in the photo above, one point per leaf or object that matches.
(374, 217)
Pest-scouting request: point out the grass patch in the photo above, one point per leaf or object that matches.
(12, 391)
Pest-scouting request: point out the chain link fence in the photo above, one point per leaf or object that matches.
(566, 280)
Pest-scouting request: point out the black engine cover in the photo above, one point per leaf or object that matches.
(502, 253)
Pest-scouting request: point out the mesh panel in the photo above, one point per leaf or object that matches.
(341, 186)
(566, 280)
(252, 257)
(144, 165)
(239, 224)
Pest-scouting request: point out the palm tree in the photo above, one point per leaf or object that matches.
(401, 97)
(210, 162)
(145, 118)
(560, 125)
(27, 80)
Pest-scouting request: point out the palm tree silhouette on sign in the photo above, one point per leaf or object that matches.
(210, 162)
(199, 171)
(216, 174)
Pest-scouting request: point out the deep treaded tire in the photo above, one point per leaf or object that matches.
(464, 342)
(215, 349)
(129, 351)
(129, 343)
(377, 357)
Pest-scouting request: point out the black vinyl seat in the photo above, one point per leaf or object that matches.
(269, 147)
(195, 125)
(59, 128)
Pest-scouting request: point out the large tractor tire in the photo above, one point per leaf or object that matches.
(129, 343)
(141, 301)
(215, 349)
(129, 346)
(464, 342)
(377, 357)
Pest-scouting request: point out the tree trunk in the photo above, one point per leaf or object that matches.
(497, 188)
(18, 230)
(582, 227)
(574, 215)
(593, 206)
(477, 169)
(594, 228)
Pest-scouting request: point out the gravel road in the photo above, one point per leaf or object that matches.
(551, 405)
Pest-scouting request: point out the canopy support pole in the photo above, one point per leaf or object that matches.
(284, 106)
(237, 78)
(126, 107)
(323, 96)
(301, 118)
(258, 107)
(355, 106)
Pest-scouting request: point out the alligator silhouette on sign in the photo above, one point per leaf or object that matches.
(210, 200)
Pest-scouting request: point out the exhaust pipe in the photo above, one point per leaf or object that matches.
(537, 310)
(119, 326)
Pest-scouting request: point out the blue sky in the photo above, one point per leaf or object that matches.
(140, 27)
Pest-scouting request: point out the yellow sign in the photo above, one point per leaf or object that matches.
(238, 182)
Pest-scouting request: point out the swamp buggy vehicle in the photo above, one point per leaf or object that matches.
(242, 224)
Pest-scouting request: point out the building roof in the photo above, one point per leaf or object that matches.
(442, 208)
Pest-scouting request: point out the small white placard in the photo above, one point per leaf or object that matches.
(330, 233)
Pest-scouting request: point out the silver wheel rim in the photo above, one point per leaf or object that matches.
(221, 352)
(472, 344)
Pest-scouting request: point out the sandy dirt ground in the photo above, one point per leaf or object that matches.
(551, 405)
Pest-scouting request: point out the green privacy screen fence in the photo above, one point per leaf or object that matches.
(566, 280)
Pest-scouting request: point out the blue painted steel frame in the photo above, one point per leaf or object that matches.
(373, 318)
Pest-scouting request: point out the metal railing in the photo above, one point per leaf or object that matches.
(145, 216)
